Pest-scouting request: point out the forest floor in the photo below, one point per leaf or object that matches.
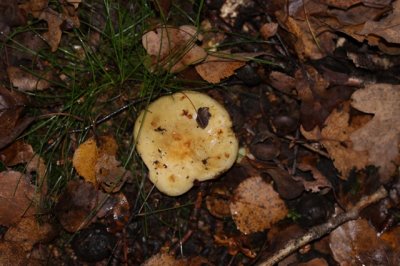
(312, 89)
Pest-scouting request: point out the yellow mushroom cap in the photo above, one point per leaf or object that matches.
(178, 149)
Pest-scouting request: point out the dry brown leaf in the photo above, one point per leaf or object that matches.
(320, 180)
(335, 137)
(26, 81)
(110, 174)
(35, 7)
(388, 27)
(12, 254)
(16, 197)
(12, 122)
(306, 45)
(314, 262)
(39, 9)
(256, 206)
(173, 49)
(282, 82)
(356, 243)
(214, 68)
(165, 259)
(268, 30)
(17, 153)
(28, 232)
(54, 21)
(80, 205)
(380, 137)
(217, 202)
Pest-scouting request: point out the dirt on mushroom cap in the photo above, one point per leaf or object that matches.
(176, 149)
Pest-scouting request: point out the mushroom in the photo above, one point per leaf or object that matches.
(184, 137)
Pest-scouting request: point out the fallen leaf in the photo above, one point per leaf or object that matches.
(54, 21)
(268, 30)
(318, 99)
(380, 136)
(25, 81)
(17, 153)
(234, 244)
(173, 49)
(214, 68)
(10, 16)
(356, 243)
(217, 202)
(109, 173)
(34, 7)
(255, 206)
(39, 9)
(80, 205)
(85, 158)
(314, 262)
(12, 122)
(282, 82)
(12, 254)
(96, 163)
(16, 197)
(320, 180)
(29, 232)
(335, 137)
(388, 27)
(166, 259)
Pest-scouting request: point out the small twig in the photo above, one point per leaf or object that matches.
(307, 146)
(323, 229)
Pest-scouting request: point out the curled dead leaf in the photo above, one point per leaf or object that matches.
(16, 197)
(214, 68)
(256, 206)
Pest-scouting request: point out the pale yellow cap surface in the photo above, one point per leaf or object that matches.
(176, 150)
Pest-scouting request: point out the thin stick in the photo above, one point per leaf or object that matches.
(323, 229)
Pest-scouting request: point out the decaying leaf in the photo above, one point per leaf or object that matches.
(16, 197)
(26, 81)
(387, 27)
(12, 254)
(380, 137)
(214, 68)
(28, 232)
(317, 98)
(17, 153)
(166, 259)
(256, 206)
(234, 244)
(96, 163)
(12, 122)
(39, 9)
(320, 180)
(335, 137)
(80, 205)
(173, 49)
(85, 158)
(218, 202)
(109, 173)
(268, 30)
(356, 243)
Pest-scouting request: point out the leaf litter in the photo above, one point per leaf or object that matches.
(331, 76)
